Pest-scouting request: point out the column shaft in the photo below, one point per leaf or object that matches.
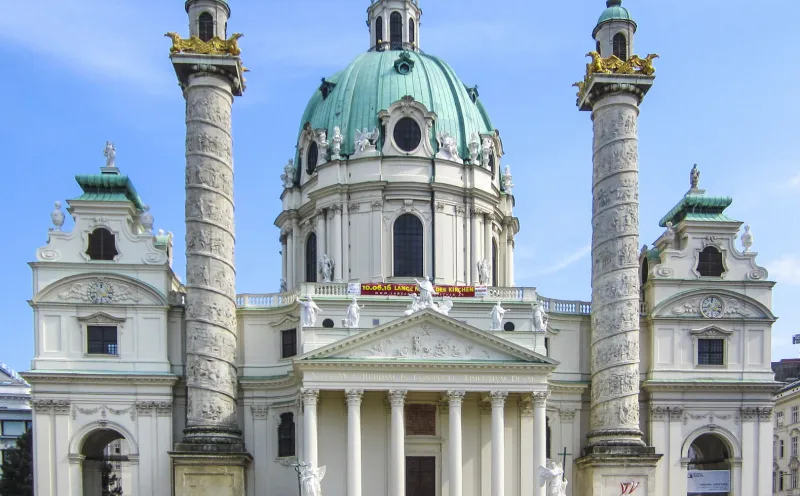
(510, 260)
(473, 238)
(320, 240)
(455, 399)
(290, 282)
(310, 454)
(284, 255)
(354, 442)
(397, 460)
(498, 442)
(337, 243)
(540, 438)
(211, 376)
(487, 245)
(615, 275)
(297, 257)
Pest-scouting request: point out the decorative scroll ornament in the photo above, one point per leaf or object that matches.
(635, 65)
(214, 46)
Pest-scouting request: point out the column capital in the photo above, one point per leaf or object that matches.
(354, 396)
(309, 396)
(498, 398)
(397, 397)
(455, 398)
(540, 398)
(567, 415)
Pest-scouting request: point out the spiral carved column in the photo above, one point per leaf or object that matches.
(615, 276)
(211, 375)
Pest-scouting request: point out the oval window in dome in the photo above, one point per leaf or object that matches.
(311, 158)
(407, 134)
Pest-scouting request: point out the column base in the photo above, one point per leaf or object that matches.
(615, 470)
(208, 470)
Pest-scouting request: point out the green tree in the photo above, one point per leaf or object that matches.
(110, 481)
(18, 468)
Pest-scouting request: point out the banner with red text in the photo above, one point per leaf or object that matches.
(405, 289)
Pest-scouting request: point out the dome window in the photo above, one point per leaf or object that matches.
(404, 64)
(620, 46)
(473, 93)
(396, 31)
(407, 134)
(379, 34)
(408, 246)
(206, 25)
(311, 158)
(326, 87)
(412, 31)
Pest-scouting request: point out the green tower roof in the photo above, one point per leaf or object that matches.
(377, 79)
(615, 12)
(697, 206)
(108, 187)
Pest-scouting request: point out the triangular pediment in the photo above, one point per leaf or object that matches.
(427, 336)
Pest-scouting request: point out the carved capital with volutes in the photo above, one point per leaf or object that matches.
(498, 398)
(455, 398)
(309, 396)
(540, 398)
(397, 397)
(567, 415)
(354, 396)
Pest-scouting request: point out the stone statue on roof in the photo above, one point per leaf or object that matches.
(694, 177)
(110, 153)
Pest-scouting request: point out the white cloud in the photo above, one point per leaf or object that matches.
(786, 269)
(100, 40)
(561, 264)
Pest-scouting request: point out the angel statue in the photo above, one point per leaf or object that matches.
(508, 183)
(539, 317)
(288, 175)
(309, 311)
(553, 476)
(694, 177)
(426, 293)
(444, 306)
(353, 315)
(325, 264)
(414, 306)
(484, 272)
(310, 480)
(337, 143)
(365, 139)
(110, 153)
(497, 317)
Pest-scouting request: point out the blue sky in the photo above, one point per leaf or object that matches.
(80, 73)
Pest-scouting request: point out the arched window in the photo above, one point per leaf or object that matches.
(311, 158)
(379, 33)
(102, 245)
(311, 258)
(206, 22)
(494, 262)
(644, 270)
(548, 437)
(597, 47)
(286, 435)
(492, 163)
(412, 31)
(408, 246)
(620, 48)
(710, 264)
(396, 31)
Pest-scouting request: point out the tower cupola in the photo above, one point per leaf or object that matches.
(394, 24)
(614, 31)
(208, 18)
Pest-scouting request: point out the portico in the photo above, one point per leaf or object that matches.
(498, 387)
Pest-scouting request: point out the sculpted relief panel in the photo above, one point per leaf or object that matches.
(101, 291)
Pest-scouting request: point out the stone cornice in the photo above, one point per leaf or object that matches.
(274, 382)
(566, 387)
(88, 377)
(732, 385)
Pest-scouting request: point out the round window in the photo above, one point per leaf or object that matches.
(311, 158)
(327, 323)
(407, 134)
(509, 326)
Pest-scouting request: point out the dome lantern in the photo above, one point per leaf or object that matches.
(394, 24)
(614, 31)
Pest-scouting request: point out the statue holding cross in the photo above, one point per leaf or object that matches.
(554, 476)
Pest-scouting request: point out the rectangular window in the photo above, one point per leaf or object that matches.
(795, 414)
(102, 340)
(794, 446)
(780, 448)
(794, 479)
(289, 343)
(780, 481)
(711, 352)
(13, 427)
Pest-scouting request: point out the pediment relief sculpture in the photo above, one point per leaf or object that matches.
(720, 305)
(106, 289)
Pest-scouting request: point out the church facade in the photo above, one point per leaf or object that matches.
(398, 354)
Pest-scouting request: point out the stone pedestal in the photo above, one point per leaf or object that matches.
(616, 470)
(209, 474)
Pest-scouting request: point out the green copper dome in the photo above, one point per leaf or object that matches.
(375, 80)
(615, 12)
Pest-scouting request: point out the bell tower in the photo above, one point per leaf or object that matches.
(615, 31)
(394, 24)
(209, 70)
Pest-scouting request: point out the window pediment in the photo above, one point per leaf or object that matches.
(400, 111)
(102, 318)
(711, 331)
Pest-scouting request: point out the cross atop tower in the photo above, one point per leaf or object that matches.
(394, 24)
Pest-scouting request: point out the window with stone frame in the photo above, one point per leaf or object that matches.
(396, 31)
(794, 446)
(711, 351)
(102, 245)
(102, 340)
(311, 258)
(710, 263)
(288, 343)
(781, 450)
(408, 246)
(412, 32)
(206, 26)
(311, 158)
(780, 480)
(793, 479)
(286, 435)
(620, 46)
(795, 414)
(494, 262)
(379, 33)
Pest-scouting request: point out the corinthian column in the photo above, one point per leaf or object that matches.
(211, 377)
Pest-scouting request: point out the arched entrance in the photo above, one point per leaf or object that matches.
(106, 465)
(709, 459)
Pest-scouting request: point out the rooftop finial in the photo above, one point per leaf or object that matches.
(613, 3)
(110, 153)
(694, 177)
